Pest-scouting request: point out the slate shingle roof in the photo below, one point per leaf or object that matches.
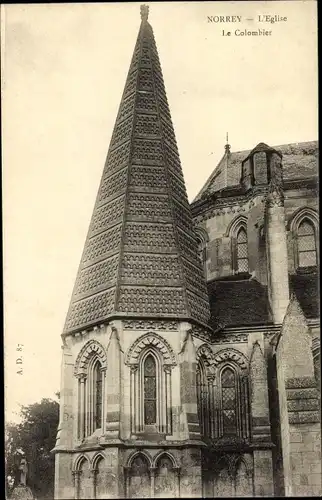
(245, 302)
(300, 160)
(237, 302)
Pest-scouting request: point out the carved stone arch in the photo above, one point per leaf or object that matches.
(248, 462)
(96, 458)
(232, 355)
(201, 234)
(300, 214)
(139, 453)
(206, 354)
(232, 464)
(92, 347)
(166, 454)
(78, 462)
(205, 351)
(234, 225)
(155, 341)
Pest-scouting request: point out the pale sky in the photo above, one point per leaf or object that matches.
(63, 72)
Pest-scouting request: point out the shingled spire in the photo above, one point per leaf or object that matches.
(140, 256)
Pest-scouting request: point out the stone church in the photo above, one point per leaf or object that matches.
(191, 353)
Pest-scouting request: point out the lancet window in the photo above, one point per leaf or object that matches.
(304, 230)
(239, 245)
(150, 390)
(242, 251)
(229, 402)
(151, 360)
(306, 244)
(90, 370)
(223, 394)
(202, 239)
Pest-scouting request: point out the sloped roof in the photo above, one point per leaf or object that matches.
(300, 160)
(237, 302)
(140, 257)
(245, 302)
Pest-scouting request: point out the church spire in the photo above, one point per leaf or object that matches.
(144, 10)
(140, 257)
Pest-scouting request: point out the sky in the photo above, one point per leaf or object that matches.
(63, 71)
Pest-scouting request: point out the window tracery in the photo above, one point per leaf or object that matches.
(202, 240)
(237, 231)
(150, 390)
(223, 394)
(228, 398)
(151, 360)
(305, 232)
(90, 370)
(242, 251)
(306, 244)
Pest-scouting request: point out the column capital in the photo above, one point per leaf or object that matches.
(275, 195)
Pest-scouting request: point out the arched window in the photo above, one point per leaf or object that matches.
(306, 244)
(228, 402)
(242, 251)
(304, 232)
(202, 240)
(237, 231)
(150, 391)
(150, 359)
(97, 395)
(90, 370)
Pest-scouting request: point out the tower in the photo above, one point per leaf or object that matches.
(128, 422)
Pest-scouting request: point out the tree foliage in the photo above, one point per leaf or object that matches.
(35, 437)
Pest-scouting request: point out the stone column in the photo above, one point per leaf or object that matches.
(113, 387)
(190, 478)
(76, 474)
(152, 480)
(93, 473)
(190, 473)
(299, 406)
(188, 387)
(63, 462)
(276, 249)
(81, 408)
(261, 431)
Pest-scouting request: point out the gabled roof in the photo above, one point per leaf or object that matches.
(140, 257)
(300, 160)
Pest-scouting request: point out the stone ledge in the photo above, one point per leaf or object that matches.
(305, 393)
(304, 417)
(303, 405)
(301, 383)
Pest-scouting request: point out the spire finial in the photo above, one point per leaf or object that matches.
(144, 11)
(227, 146)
